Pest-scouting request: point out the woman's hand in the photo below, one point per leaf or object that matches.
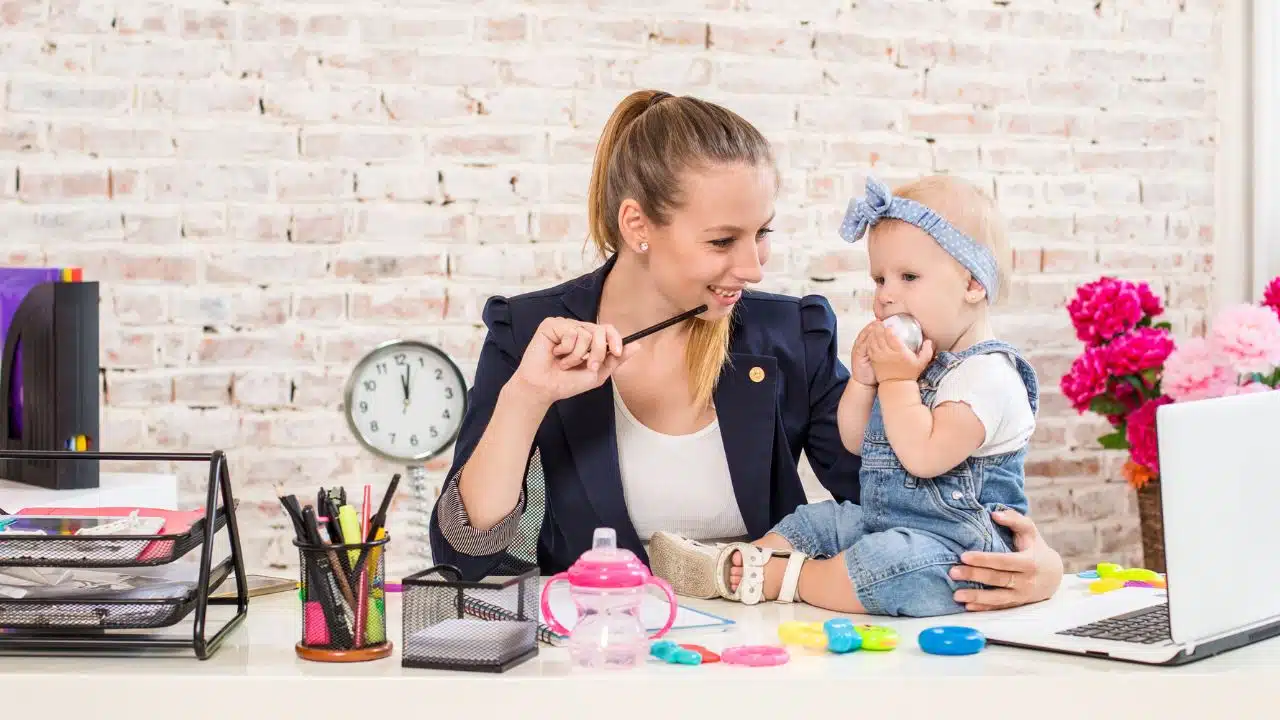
(860, 362)
(1030, 574)
(890, 357)
(567, 357)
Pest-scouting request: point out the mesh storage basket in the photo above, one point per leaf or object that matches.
(452, 624)
(344, 605)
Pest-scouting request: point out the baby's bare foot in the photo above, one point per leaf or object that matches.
(735, 572)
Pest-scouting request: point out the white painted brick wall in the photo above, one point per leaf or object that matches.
(267, 190)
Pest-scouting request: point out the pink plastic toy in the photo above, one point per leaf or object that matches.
(754, 655)
(608, 587)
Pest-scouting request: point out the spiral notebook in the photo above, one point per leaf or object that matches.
(653, 613)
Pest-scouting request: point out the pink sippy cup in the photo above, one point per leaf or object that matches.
(608, 587)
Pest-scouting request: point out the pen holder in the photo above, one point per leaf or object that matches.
(451, 624)
(344, 602)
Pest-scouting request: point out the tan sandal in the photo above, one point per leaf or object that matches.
(699, 570)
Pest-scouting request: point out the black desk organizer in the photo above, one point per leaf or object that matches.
(112, 624)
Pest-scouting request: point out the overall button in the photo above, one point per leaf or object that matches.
(957, 495)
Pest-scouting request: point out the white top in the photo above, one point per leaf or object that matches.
(256, 667)
(676, 483)
(991, 386)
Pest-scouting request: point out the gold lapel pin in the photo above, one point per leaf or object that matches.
(756, 374)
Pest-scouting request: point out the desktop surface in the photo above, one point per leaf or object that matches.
(257, 662)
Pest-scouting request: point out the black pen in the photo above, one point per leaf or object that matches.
(376, 523)
(664, 324)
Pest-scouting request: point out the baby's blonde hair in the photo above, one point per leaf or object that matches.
(973, 212)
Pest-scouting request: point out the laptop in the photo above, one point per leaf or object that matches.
(1220, 491)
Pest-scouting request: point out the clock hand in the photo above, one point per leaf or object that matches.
(404, 384)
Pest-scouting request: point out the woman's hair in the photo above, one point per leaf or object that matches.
(649, 141)
(972, 211)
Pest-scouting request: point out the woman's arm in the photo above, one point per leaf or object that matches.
(837, 468)
(1030, 574)
(455, 540)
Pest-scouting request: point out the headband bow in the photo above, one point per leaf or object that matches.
(880, 203)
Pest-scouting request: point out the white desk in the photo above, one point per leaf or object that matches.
(255, 674)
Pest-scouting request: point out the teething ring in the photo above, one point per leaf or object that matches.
(754, 655)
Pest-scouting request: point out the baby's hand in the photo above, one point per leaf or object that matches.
(891, 360)
(860, 361)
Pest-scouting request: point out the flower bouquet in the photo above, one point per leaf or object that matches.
(1131, 366)
(1119, 376)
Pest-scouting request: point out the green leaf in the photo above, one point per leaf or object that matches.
(1114, 441)
(1136, 384)
(1105, 405)
(1163, 326)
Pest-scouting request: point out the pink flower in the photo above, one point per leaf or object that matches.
(1247, 337)
(1087, 378)
(1140, 432)
(1194, 371)
(1108, 307)
(1139, 349)
(1271, 296)
(1248, 388)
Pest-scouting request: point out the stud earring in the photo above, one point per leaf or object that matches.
(644, 247)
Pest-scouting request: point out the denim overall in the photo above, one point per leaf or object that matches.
(903, 539)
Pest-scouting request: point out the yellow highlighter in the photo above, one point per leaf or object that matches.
(377, 597)
(350, 526)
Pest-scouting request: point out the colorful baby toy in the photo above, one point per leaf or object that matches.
(837, 635)
(951, 640)
(1110, 576)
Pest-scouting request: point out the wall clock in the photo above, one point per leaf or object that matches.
(405, 400)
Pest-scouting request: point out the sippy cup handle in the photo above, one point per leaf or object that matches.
(550, 619)
(671, 598)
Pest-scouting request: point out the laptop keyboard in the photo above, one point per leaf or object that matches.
(1147, 626)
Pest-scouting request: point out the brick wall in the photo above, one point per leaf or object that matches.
(266, 190)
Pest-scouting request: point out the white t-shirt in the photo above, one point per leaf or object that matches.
(676, 483)
(991, 386)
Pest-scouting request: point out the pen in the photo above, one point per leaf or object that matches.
(378, 521)
(362, 591)
(664, 324)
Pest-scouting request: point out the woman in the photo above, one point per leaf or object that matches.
(696, 429)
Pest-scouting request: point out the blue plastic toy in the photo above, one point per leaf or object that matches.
(951, 640)
(669, 652)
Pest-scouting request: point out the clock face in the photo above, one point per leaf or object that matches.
(405, 400)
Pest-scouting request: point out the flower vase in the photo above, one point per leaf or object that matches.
(1151, 524)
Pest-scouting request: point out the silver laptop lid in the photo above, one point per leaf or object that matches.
(1220, 490)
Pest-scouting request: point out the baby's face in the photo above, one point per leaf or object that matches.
(914, 275)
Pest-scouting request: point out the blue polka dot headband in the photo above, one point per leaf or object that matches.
(880, 203)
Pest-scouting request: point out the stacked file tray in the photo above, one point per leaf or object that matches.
(67, 592)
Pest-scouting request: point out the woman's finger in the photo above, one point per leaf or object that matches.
(614, 339)
(988, 576)
(599, 348)
(578, 351)
(1015, 521)
(1021, 562)
(991, 598)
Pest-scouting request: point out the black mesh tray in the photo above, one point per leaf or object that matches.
(104, 551)
(107, 614)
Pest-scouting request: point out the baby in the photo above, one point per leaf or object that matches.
(942, 436)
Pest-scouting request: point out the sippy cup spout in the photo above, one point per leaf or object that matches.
(604, 539)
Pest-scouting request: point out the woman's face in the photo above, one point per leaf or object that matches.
(717, 241)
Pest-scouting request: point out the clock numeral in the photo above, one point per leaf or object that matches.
(433, 431)
(370, 385)
(422, 362)
(402, 359)
(393, 438)
(413, 440)
(448, 393)
(374, 426)
(446, 414)
(364, 406)
(382, 368)
(439, 374)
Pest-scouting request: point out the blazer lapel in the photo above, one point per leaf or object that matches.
(746, 405)
(588, 423)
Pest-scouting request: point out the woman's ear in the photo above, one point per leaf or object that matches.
(633, 225)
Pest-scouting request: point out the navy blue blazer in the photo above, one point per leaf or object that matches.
(765, 425)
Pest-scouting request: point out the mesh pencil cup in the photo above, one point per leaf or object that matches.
(451, 624)
(344, 606)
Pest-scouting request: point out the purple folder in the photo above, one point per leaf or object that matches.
(15, 283)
